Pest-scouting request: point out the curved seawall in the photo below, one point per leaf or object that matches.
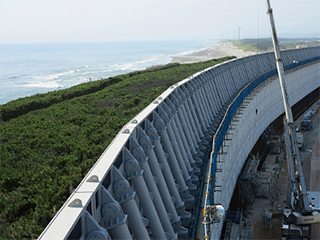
(149, 182)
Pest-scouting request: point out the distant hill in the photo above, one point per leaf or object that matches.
(265, 44)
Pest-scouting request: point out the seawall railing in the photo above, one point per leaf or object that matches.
(147, 183)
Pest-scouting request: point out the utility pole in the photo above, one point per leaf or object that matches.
(239, 32)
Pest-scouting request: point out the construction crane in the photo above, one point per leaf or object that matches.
(299, 215)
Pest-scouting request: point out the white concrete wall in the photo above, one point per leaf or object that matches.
(248, 125)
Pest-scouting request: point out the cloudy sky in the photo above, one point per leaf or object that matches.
(145, 20)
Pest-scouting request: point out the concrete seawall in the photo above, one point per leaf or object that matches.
(164, 151)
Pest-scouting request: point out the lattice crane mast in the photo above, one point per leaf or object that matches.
(300, 214)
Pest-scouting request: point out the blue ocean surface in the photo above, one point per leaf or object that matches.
(28, 69)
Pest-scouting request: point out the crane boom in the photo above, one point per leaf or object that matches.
(279, 64)
(300, 212)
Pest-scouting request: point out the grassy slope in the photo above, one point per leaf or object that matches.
(50, 141)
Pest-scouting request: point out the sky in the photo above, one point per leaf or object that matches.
(24, 21)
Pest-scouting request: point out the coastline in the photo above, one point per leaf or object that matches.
(42, 77)
(219, 50)
(29, 69)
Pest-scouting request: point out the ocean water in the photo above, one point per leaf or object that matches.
(28, 69)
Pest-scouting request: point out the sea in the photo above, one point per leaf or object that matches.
(31, 68)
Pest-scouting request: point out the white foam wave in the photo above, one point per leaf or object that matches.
(106, 70)
(50, 84)
(54, 76)
(77, 75)
(150, 59)
(186, 52)
(191, 51)
(85, 73)
(135, 65)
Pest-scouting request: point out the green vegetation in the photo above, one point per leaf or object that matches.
(50, 141)
(265, 44)
(253, 44)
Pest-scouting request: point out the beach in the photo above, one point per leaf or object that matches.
(220, 49)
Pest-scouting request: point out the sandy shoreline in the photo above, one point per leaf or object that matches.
(221, 49)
